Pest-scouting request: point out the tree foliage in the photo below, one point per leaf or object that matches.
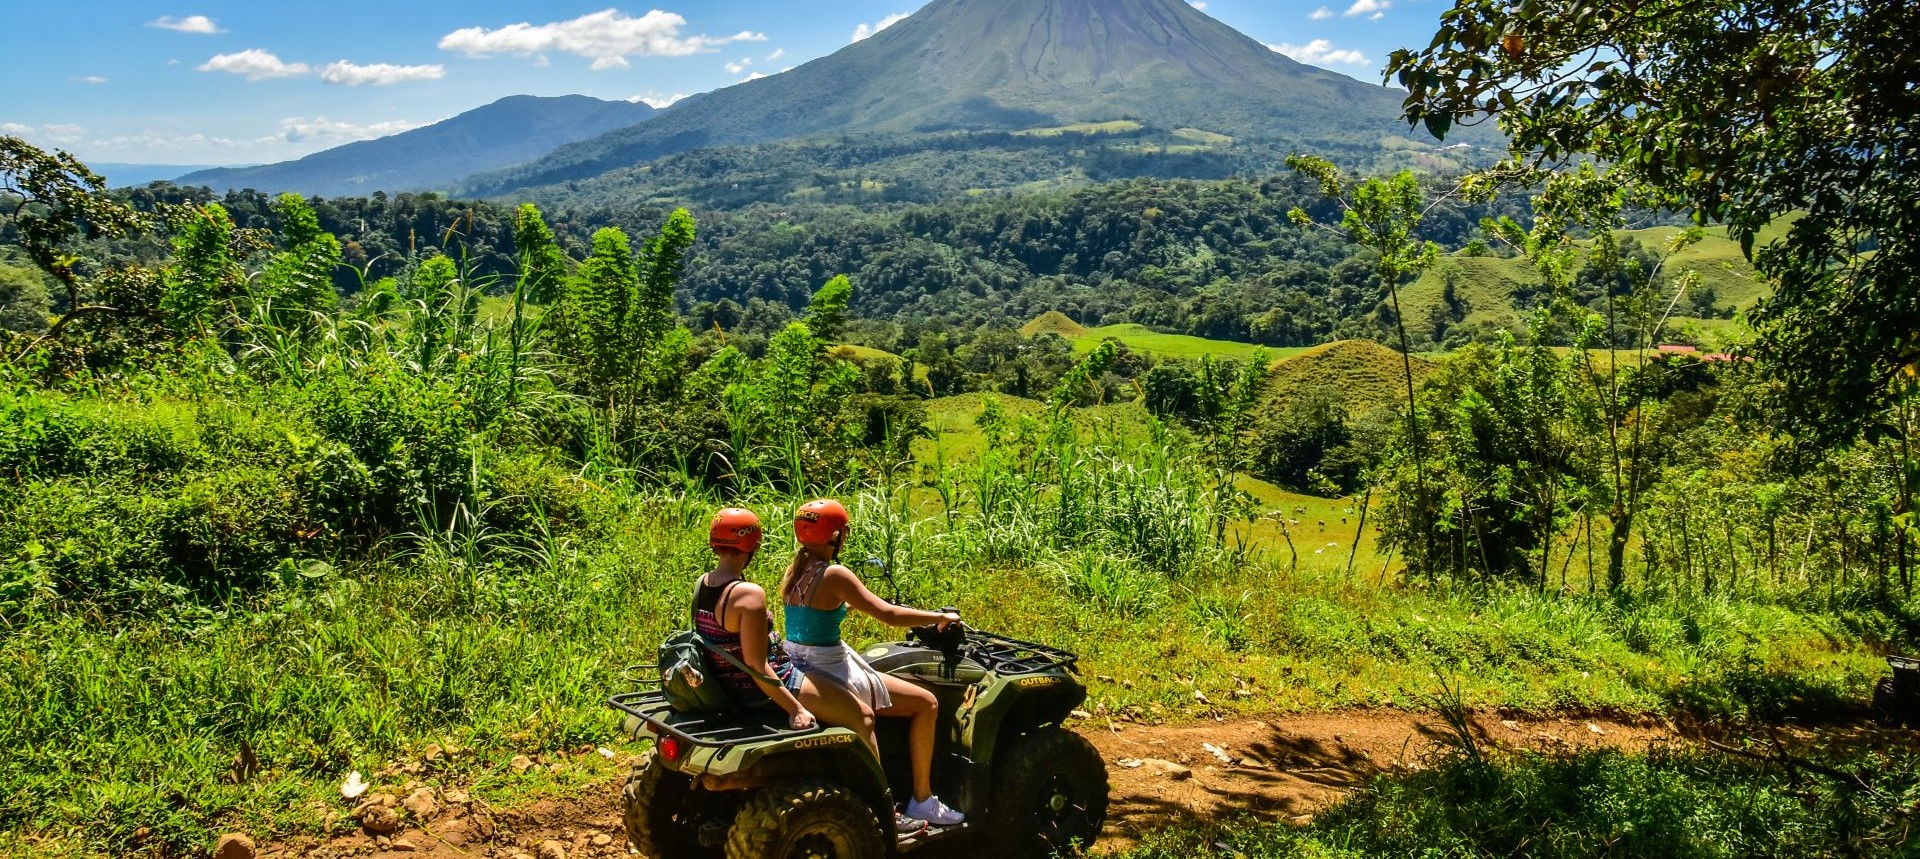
(1755, 113)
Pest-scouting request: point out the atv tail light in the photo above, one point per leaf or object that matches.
(670, 749)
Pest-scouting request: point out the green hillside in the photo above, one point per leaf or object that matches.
(1718, 259)
(1146, 341)
(1484, 288)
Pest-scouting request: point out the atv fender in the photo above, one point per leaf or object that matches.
(836, 754)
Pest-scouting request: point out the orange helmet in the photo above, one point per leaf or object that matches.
(734, 528)
(820, 521)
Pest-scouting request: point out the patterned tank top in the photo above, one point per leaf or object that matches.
(711, 627)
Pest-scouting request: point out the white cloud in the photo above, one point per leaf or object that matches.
(56, 134)
(658, 101)
(255, 64)
(1321, 52)
(607, 37)
(200, 24)
(1197, 4)
(738, 67)
(861, 32)
(754, 77)
(1321, 14)
(1376, 8)
(378, 74)
(776, 55)
(1376, 16)
(161, 140)
(328, 132)
(89, 79)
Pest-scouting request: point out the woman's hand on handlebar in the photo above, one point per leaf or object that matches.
(801, 720)
(947, 618)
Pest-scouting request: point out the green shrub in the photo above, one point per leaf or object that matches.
(413, 439)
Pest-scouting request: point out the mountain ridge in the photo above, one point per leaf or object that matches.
(500, 134)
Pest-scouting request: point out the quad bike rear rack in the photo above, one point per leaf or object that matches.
(751, 725)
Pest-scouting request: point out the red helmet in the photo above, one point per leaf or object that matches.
(820, 521)
(734, 528)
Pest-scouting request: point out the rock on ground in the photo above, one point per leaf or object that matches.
(420, 803)
(233, 845)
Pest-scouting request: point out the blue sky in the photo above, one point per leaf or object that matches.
(221, 82)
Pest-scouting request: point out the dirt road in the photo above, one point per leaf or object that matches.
(1283, 768)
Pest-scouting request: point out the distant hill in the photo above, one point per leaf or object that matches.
(1053, 322)
(1071, 66)
(1366, 374)
(510, 131)
(129, 175)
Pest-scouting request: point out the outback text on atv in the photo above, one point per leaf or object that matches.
(747, 786)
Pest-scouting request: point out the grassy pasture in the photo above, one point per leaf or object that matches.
(1144, 340)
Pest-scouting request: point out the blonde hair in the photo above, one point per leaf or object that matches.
(803, 558)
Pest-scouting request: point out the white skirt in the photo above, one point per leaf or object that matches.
(840, 665)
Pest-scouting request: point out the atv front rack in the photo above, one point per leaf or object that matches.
(747, 725)
(1008, 657)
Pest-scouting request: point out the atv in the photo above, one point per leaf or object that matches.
(747, 786)
(1896, 699)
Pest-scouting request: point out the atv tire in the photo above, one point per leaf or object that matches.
(1049, 797)
(805, 819)
(1886, 704)
(653, 795)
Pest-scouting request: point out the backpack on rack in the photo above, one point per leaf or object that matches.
(687, 676)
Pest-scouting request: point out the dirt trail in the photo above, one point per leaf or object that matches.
(1283, 768)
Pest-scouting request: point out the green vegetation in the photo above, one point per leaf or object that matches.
(1666, 803)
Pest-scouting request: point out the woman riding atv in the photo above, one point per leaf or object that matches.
(816, 593)
(731, 613)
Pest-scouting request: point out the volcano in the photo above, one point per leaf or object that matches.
(1012, 65)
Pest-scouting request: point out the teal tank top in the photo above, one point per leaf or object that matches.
(811, 626)
(814, 627)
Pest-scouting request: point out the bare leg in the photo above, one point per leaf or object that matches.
(836, 706)
(919, 705)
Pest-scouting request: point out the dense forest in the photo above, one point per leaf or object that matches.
(1208, 258)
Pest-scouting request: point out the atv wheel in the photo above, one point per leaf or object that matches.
(1886, 704)
(1050, 797)
(652, 798)
(805, 820)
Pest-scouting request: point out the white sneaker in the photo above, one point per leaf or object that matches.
(933, 811)
(904, 825)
